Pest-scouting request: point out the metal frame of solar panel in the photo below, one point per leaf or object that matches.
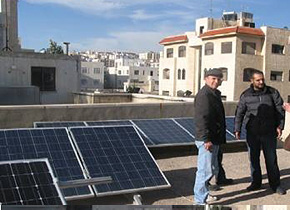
(119, 152)
(230, 128)
(58, 124)
(29, 182)
(108, 122)
(159, 131)
(52, 143)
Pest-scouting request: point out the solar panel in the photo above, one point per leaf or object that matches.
(108, 122)
(58, 124)
(119, 152)
(230, 123)
(28, 182)
(187, 123)
(163, 132)
(51, 143)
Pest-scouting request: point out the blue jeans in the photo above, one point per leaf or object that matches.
(207, 167)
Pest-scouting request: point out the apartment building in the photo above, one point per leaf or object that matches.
(232, 44)
(92, 76)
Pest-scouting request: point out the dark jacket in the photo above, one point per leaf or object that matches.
(261, 111)
(209, 115)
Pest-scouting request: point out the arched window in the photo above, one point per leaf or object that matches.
(166, 74)
(182, 51)
(183, 73)
(179, 74)
(208, 48)
(225, 73)
(247, 74)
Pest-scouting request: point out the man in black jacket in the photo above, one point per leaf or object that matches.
(261, 109)
(210, 132)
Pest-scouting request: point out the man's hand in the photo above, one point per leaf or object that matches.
(208, 145)
(238, 135)
(279, 132)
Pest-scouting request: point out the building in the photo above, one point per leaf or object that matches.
(122, 77)
(232, 44)
(92, 76)
(56, 77)
(9, 40)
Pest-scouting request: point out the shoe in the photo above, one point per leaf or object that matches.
(253, 187)
(280, 191)
(214, 187)
(225, 182)
(211, 198)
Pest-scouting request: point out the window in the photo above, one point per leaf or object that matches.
(277, 49)
(183, 74)
(225, 74)
(208, 50)
(84, 70)
(96, 82)
(201, 28)
(276, 76)
(179, 74)
(119, 72)
(43, 77)
(288, 99)
(136, 72)
(143, 72)
(127, 71)
(151, 73)
(97, 70)
(247, 74)
(248, 48)
(226, 47)
(166, 74)
(182, 51)
(289, 76)
(165, 93)
(169, 53)
(84, 82)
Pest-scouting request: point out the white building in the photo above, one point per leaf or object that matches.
(231, 43)
(92, 76)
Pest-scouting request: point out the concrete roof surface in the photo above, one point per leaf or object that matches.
(180, 172)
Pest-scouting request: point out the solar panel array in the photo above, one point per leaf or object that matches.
(28, 183)
(230, 123)
(118, 152)
(161, 132)
(58, 124)
(52, 143)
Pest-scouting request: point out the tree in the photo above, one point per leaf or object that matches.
(54, 48)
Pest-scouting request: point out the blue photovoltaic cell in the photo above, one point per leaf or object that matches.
(58, 124)
(230, 122)
(51, 143)
(187, 123)
(120, 153)
(28, 183)
(163, 132)
(109, 122)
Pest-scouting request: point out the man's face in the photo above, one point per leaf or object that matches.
(213, 82)
(258, 81)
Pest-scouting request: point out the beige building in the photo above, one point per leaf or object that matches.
(233, 44)
(92, 76)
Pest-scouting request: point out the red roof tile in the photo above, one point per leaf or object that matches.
(174, 39)
(233, 30)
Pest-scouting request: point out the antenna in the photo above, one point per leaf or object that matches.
(210, 9)
(6, 48)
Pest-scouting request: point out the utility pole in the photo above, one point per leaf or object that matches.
(6, 48)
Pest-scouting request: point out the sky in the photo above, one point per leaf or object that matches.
(129, 25)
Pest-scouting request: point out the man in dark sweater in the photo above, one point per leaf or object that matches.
(210, 132)
(261, 109)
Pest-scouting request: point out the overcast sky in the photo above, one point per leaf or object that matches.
(129, 25)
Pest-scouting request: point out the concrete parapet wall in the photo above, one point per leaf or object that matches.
(24, 116)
